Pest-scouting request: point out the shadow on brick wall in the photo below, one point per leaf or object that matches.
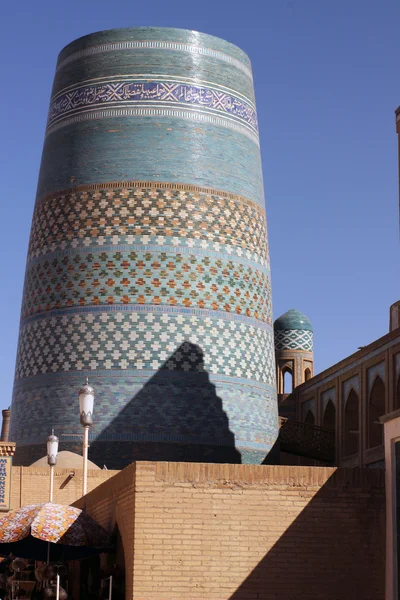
(333, 550)
(176, 416)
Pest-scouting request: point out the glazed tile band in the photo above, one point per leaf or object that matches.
(146, 342)
(151, 309)
(137, 93)
(299, 339)
(154, 185)
(76, 376)
(189, 114)
(156, 78)
(137, 437)
(156, 45)
(178, 218)
(109, 278)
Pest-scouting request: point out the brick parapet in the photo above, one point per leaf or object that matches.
(234, 532)
(255, 475)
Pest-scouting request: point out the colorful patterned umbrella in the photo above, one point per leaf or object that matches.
(28, 531)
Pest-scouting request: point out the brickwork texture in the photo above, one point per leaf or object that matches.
(31, 485)
(246, 532)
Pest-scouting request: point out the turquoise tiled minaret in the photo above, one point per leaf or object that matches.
(148, 264)
(294, 352)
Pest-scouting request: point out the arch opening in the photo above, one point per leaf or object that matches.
(376, 408)
(351, 424)
(310, 418)
(287, 381)
(397, 398)
(307, 374)
(329, 418)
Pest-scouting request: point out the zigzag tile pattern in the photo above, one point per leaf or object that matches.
(129, 215)
(144, 342)
(157, 278)
(294, 339)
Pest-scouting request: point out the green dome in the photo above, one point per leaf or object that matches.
(292, 319)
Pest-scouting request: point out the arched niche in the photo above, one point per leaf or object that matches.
(329, 418)
(376, 408)
(310, 418)
(351, 427)
(307, 374)
(397, 397)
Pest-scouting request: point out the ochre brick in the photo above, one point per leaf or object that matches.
(246, 532)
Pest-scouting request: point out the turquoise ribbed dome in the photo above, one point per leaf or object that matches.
(293, 319)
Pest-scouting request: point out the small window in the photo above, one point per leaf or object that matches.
(287, 381)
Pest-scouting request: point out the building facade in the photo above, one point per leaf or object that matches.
(351, 396)
(148, 264)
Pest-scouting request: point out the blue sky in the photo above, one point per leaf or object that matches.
(327, 84)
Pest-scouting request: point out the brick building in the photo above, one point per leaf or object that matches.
(188, 530)
(192, 531)
(351, 396)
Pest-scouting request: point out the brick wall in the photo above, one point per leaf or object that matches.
(112, 504)
(31, 485)
(245, 532)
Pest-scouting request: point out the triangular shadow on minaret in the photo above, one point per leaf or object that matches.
(176, 416)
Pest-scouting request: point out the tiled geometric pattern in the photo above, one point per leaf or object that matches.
(148, 267)
(120, 279)
(294, 339)
(118, 267)
(140, 341)
(139, 215)
(156, 278)
(127, 92)
(154, 408)
(187, 405)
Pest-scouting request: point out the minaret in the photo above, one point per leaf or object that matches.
(5, 425)
(293, 350)
(148, 263)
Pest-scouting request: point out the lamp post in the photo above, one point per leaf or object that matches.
(52, 451)
(86, 401)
